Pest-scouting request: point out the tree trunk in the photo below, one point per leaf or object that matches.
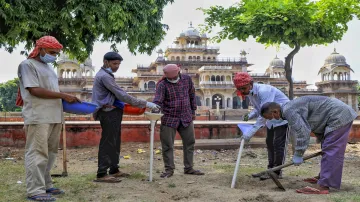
(288, 70)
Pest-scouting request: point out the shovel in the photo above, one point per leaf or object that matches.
(273, 176)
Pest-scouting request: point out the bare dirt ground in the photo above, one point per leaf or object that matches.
(214, 186)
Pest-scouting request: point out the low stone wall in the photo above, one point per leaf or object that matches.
(88, 133)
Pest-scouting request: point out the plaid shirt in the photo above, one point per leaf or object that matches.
(318, 114)
(177, 101)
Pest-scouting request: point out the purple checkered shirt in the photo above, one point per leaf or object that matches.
(177, 101)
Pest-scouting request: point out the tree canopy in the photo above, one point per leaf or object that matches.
(296, 23)
(78, 24)
(8, 93)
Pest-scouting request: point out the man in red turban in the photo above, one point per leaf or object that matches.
(42, 112)
(276, 139)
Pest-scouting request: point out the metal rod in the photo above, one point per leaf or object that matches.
(151, 149)
(237, 164)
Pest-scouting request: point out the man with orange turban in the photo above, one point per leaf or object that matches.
(42, 112)
(175, 94)
(276, 139)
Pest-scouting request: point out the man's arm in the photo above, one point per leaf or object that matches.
(192, 97)
(47, 94)
(300, 129)
(120, 94)
(254, 113)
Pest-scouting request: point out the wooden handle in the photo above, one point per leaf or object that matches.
(64, 150)
(290, 164)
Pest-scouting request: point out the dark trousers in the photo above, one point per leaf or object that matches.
(276, 146)
(167, 137)
(109, 147)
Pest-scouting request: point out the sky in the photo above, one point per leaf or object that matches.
(178, 15)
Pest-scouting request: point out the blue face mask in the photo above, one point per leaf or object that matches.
(48, 58)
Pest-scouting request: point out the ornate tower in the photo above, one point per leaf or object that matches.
(336, 80)
(276, 68)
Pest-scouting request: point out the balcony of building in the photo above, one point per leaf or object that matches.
(192, 46)
(216, 85)
(202, 61)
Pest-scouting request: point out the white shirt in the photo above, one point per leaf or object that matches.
(259, 95)
(33, 73)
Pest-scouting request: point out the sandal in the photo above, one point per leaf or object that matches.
(120, 174)
(54, 191)
(193, 172)
(108, 179)
(311, 180)
(41, 197)
(311, 190)
(166, 174)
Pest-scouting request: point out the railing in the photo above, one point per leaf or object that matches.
(259, 75)
(217, 59)
(193, 46)
(216, 83)
(215, 68)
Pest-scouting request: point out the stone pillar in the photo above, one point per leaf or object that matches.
(350, 100)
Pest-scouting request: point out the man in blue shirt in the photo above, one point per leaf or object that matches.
(105, 93)
(276, 138)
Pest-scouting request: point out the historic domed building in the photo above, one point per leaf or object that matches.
(212, 75)
(336, 80)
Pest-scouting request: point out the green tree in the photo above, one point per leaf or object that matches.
(295, 23)
(78, 24)
(8, 93)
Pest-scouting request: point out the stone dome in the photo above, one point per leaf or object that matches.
(192, 31)
(335, 58)
(182, 34)
(88, 62)
(276, 62)
(204, 35)
(160, 51)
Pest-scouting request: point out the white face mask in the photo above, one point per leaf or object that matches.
(174, 81)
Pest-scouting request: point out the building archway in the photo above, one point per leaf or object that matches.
(151, 85)
(207, 78)
(245, 103)
(214, 100)
(213, 78)
(236, 103)
(198, 100)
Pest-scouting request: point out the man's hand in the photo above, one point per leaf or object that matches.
(297, 160)
(245, 117)
(153, 106)
(70, 98)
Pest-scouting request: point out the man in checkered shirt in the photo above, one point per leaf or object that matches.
(175, 94)
(330, 120)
